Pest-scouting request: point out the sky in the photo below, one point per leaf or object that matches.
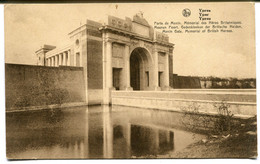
(28, 27)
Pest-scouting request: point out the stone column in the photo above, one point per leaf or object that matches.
(61, 58)
(109, 64)
(60, 63)
(104, 64)
(108, 74)
(56, 60)
(50, 61)
(53, 61)
(64, 58)
(156, 72)
(166, 72)
(127, 68)
(74, 59)
(68, 57)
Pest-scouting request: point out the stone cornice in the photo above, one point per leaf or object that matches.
(58, 50)
(133, 35)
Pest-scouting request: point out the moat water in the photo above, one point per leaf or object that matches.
(95, 132)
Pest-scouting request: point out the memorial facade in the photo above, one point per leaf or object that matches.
(121, 54)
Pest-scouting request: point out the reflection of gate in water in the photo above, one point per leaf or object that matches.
(146, 140)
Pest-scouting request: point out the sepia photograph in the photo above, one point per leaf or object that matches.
(130, 81)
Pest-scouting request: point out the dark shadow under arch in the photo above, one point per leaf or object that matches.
(139, 73)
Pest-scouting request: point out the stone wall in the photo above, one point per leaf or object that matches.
(28, 85)
(94, 66)
(94, 62)
(242, 102)
(185, 81)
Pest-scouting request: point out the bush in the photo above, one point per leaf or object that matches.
(220, 124)
(224, 121)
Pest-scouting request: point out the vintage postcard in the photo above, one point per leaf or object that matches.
(130, 80)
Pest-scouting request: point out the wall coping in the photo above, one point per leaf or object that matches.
(197, 91)
(45, 67)
(53, 106)
(188, 100)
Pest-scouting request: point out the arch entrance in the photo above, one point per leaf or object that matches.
(140, 69)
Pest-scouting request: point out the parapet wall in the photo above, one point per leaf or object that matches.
(28, 85)
(242, 102)
(185, 82)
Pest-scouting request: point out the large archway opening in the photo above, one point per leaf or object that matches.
(140, 69)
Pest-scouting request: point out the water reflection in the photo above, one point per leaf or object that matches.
(147, 141)
(94, 132)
